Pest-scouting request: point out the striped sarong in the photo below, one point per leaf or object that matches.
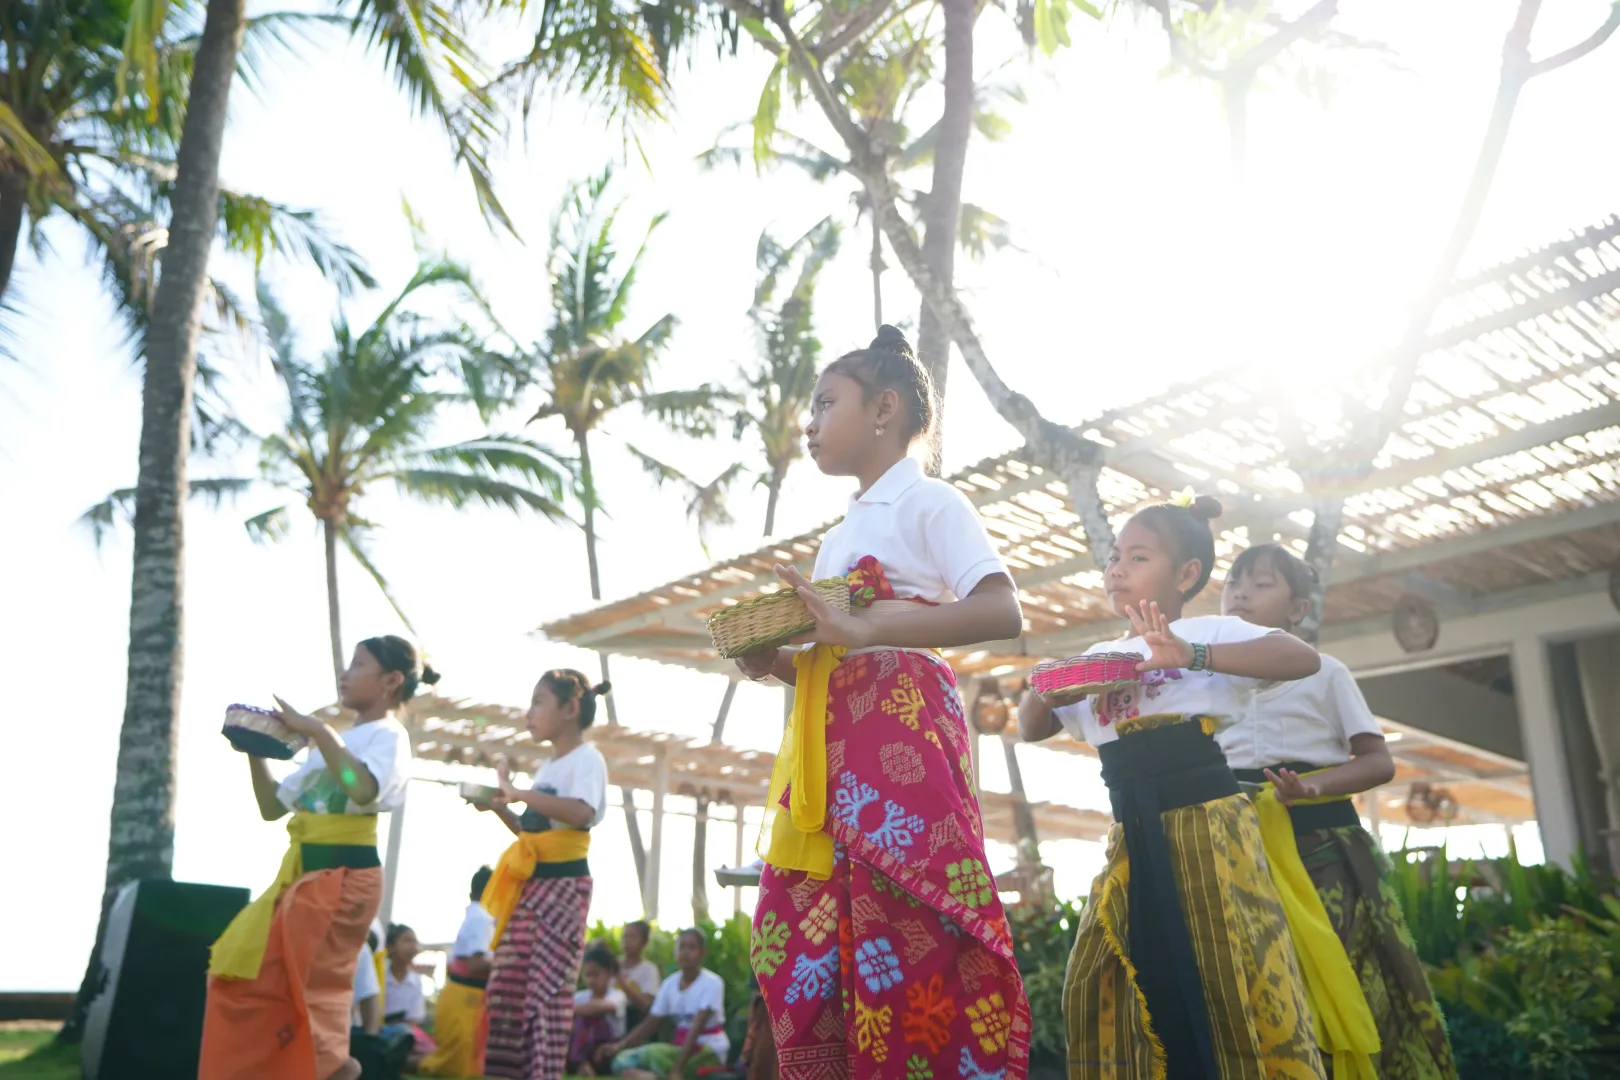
(1183, 966)
(530, 997)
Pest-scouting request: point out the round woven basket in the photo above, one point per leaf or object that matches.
(1064, 682)
(771, 620)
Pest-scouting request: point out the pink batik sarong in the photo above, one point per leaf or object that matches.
(900, 964)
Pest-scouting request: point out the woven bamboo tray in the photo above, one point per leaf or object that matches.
(771, 620)
(1064, 682)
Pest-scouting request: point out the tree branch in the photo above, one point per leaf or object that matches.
(1319, 15)
(857, 24)
(1570, 55)
(744, 10)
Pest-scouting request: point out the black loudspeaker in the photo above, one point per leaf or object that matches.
(146, 1015)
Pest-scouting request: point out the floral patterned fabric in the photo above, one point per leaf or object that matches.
(899, 965)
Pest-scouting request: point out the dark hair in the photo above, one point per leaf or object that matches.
(568, 684)
(696, 935)
(395, 932)
(480, 882)
(889, 364)
(640, 924)
(1186, 530)
(602, 956)
(397, 654)
(1284, 563)
(371, 939)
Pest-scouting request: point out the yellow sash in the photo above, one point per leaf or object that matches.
(240, 949)
(517, 867)
(798, 840)
(1343, 1022)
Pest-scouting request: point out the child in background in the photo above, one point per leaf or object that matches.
(639, 977)
(599, 1012)
(1183, 965)
(459, 1024)
(695, 998)
(1316, 742)
(404, 996)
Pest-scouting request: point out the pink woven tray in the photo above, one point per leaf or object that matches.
(1064, 682)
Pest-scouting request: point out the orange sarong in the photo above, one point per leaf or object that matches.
(291, 1022)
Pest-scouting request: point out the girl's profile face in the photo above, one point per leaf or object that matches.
(547, 716)
(366, 685)
(1142, 567)
(1262, 596)
(843, 424)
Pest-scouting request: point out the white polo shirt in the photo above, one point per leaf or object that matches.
(1311, 720)
(923, 531)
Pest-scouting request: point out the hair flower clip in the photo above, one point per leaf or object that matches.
(1183, 498)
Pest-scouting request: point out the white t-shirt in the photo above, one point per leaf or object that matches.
(923, 531)
(1224, 697)
(707, 991)
(406, 996)
(645, 977)
(365, 974)
(579, 774)
(477, 930)
(616, 998)
(382, 746)
(1310, 720)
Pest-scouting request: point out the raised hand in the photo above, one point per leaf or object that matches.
(1166, 651)
(833, 627)
(1291, 787)
(759, 663)
(297, 721)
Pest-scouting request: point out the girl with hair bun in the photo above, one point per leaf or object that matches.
(540, 892)
(880, 944)
(281, 976)
(1183, 965)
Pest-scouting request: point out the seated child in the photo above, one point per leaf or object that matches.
(598, 1012)
(638, 977)
(404, 998)
(695, 999)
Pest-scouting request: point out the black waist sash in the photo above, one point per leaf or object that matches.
(1147, 773)
(1328, 815)
(550, 871)
(465, 980)
(339, 856)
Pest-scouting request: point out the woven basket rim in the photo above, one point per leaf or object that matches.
(776, 596)
(1096, 657)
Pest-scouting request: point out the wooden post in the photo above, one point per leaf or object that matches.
(736, 890)
(1544, 749)
(396, 835)
(649, 889)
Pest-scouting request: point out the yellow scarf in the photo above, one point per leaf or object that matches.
(798, 840)
(240, 949)
(517, 867)
(1343, 1022)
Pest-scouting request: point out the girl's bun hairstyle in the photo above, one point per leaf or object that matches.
(1185, 530)
(569, 685)
(890, 363)
(394, 653)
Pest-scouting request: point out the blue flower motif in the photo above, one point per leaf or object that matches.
(876, 963)
(813, 977)
(969, 1069)
(898, 831)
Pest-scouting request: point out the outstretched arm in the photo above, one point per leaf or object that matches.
(1273, 658)
(989, 613)
(1372, 766)
(1036, 719)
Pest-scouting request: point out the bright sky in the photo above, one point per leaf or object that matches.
(1142, 265)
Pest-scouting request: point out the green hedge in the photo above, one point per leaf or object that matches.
(728, 958)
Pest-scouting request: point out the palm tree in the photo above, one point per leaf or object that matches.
(75, 144)
(590, 371)
(780, 385)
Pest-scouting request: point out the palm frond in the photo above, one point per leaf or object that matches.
(353, 533)
(695, 412)
(21, 148)
(268, 527)
(512, 457)
(255, 226)
(118, 508)
(459, 490)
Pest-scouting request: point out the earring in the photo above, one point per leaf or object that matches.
(880, 432)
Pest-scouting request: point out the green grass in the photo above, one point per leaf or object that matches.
(30, 1055)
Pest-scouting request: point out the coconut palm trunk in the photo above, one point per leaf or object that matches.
(587, 476)
(13, 195)
(877, 278)
(773, 496)
(334, 616)
(943, 210)
(140, 842)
